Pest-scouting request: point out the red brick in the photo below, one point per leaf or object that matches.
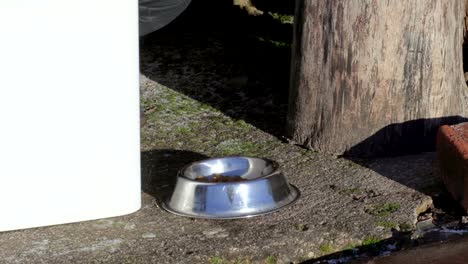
(452, 152)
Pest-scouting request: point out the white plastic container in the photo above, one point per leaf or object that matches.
(69, 115)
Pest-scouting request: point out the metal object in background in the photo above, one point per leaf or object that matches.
(261, 188)
(155, 14)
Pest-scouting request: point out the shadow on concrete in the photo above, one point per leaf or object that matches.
(411, 137)
(404, 153)
(418, 172)
(219, 55)
(159, 169)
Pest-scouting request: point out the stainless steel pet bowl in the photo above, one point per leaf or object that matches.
(244, 187)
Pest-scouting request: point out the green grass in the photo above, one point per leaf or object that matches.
(275, 43)
(370, 241)
(216, 260)
(183, 131)
(242, 126)
(371, 244)
(271, 260)
(326, 248)
(283, 18)
(383, 210)
(306, 152)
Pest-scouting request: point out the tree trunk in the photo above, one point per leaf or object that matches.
(376, 77)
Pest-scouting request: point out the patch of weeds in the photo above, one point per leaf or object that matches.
(271, 260)
(216, 260)
(219, 119)
(174, 103)
(183, 131)
(326, 248)
(147, 103)
(386, 224)
(370, 241)
(275, 43)
(372, 244)
(206, 107)
(382, 210)
(242, 126)
(283, 18)
(405, 227)
(184, 108)
(306, 152)
(280, 44)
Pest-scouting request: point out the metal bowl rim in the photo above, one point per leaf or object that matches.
(276, 170)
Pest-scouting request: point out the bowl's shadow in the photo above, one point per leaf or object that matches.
(159, 169)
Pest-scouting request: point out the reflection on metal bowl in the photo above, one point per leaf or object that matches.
(259, 188)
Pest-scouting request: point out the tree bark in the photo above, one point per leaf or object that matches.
(376, 77)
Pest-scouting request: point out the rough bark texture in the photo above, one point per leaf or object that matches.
(376, 77)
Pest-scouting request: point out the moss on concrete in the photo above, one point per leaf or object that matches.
(326, 248)
(216, 260)
(382, 210)
(271, 260)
